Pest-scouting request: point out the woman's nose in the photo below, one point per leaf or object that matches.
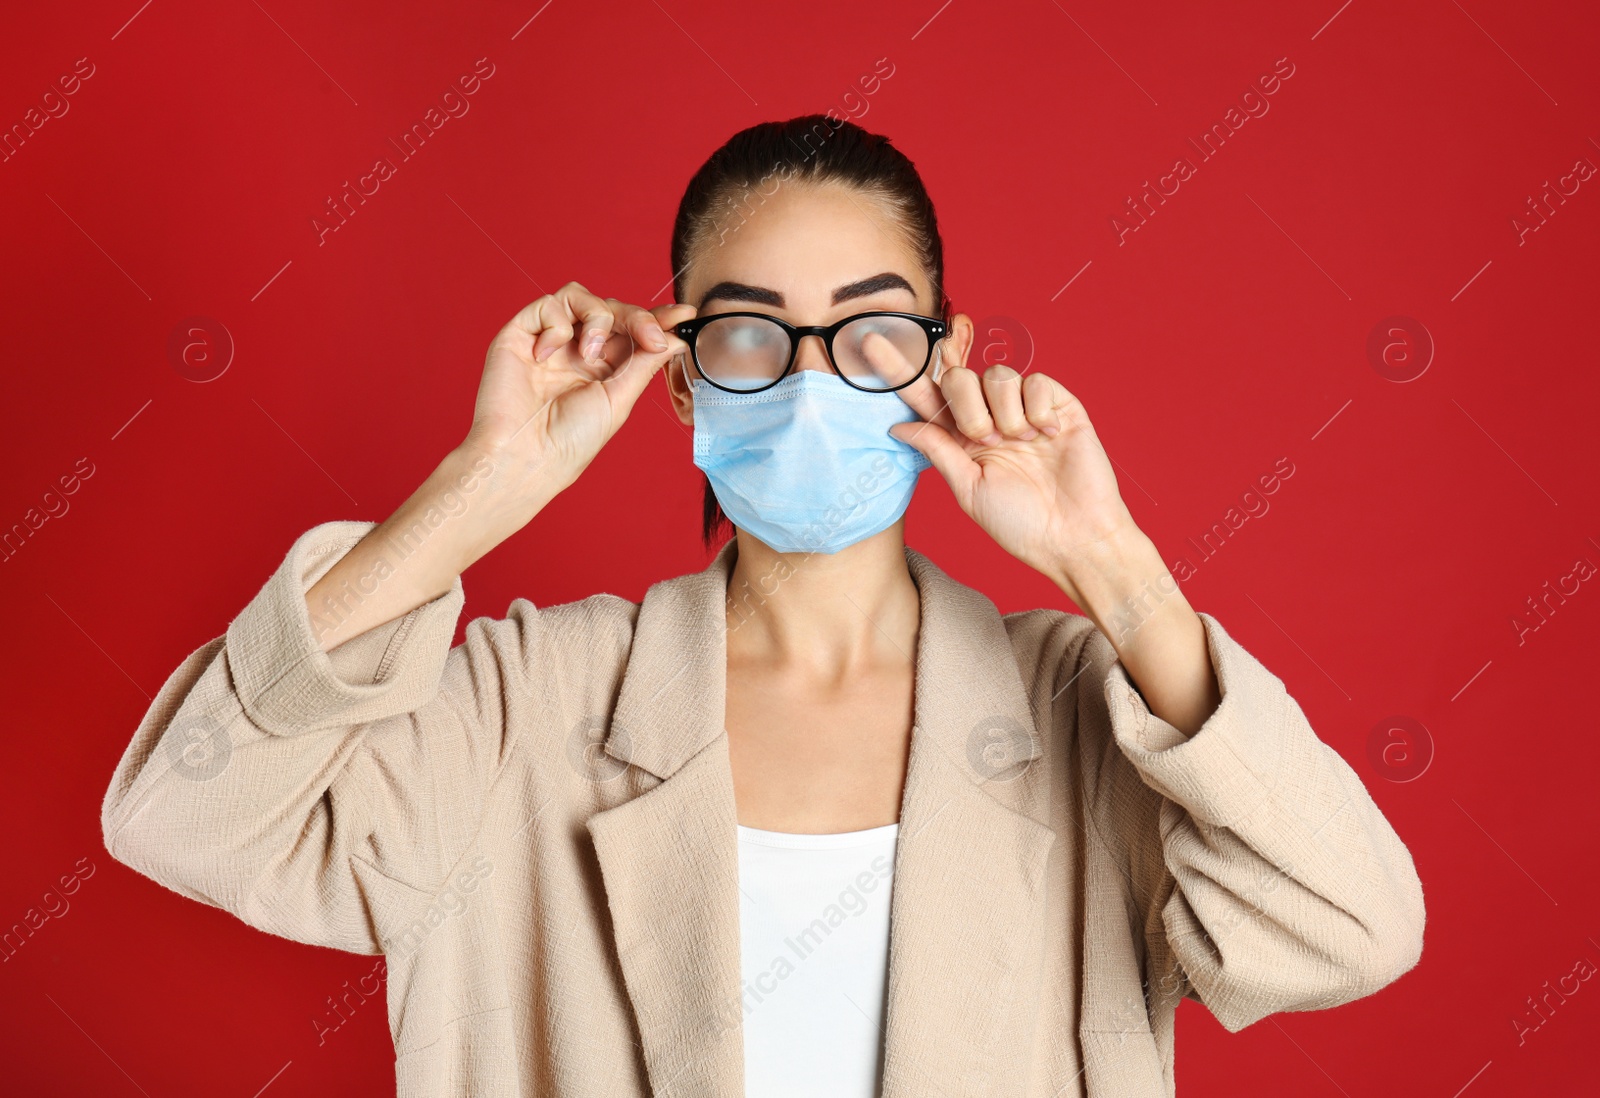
(812, 355)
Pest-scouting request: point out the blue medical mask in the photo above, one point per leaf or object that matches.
(807, 465)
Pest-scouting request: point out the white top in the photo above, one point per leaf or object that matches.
(814, 958)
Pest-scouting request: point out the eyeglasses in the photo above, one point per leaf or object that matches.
(749, 352)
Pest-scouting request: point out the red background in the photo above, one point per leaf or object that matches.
(1228, 332)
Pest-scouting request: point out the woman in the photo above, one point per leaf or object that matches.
(618, 848)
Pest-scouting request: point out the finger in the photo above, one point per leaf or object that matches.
(633, 331)
(928, 401)
(1039, 403)
(669, 316)
(640, 324)
(597, 317)
(629, 379)
(926, 398)
(558, 317)
(1069, 409)
(545, 322)
(965, 394)
(639, 336)
(637, 330)
(1002, 388)
(887, 365)
(650, 343)
(947, 455)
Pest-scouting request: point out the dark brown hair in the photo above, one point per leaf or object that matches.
(814, 148)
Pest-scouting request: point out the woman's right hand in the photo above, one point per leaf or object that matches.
(544, 410)
(558, 382)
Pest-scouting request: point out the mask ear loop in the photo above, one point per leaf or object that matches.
(688, 378)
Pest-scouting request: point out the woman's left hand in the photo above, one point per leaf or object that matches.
(1024, 463)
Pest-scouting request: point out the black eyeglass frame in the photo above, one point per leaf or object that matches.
(689, 331)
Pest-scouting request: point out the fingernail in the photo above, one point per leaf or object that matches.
(991, 438)
(1052, 432)
(657, 338)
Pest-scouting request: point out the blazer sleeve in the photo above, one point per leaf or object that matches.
(300, 790)
(1272, 880)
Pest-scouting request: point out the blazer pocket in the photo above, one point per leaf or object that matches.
(436, 1068)
(435, 944)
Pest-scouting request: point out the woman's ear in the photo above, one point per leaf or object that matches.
(953, 349)
(678, 389)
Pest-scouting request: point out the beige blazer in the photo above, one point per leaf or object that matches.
(537, 828)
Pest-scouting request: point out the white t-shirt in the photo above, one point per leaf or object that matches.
(814, 958)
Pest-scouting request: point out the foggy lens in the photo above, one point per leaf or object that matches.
(742, 352)
(880, 352)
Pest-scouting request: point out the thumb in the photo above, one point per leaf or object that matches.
(947, 455)
(668, 315)
(629, 380)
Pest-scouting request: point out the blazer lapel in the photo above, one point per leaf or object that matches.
(966, 918)
(966, 915)
(670, 857)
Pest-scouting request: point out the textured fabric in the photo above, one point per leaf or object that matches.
(537, 827)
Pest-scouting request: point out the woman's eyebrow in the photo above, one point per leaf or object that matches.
(738, 291)
(760, 295)
(888, 280)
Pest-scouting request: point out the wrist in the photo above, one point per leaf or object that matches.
(514, 480)
(453, 517)
(1117, 579)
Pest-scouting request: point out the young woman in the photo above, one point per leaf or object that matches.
(617, 848)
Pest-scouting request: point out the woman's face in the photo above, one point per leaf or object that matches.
(809, 254)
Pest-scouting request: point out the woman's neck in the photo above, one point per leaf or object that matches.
(828, 614)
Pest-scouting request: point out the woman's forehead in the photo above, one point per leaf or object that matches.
(804, 242)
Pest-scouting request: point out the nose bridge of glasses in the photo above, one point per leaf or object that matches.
(811, 353)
